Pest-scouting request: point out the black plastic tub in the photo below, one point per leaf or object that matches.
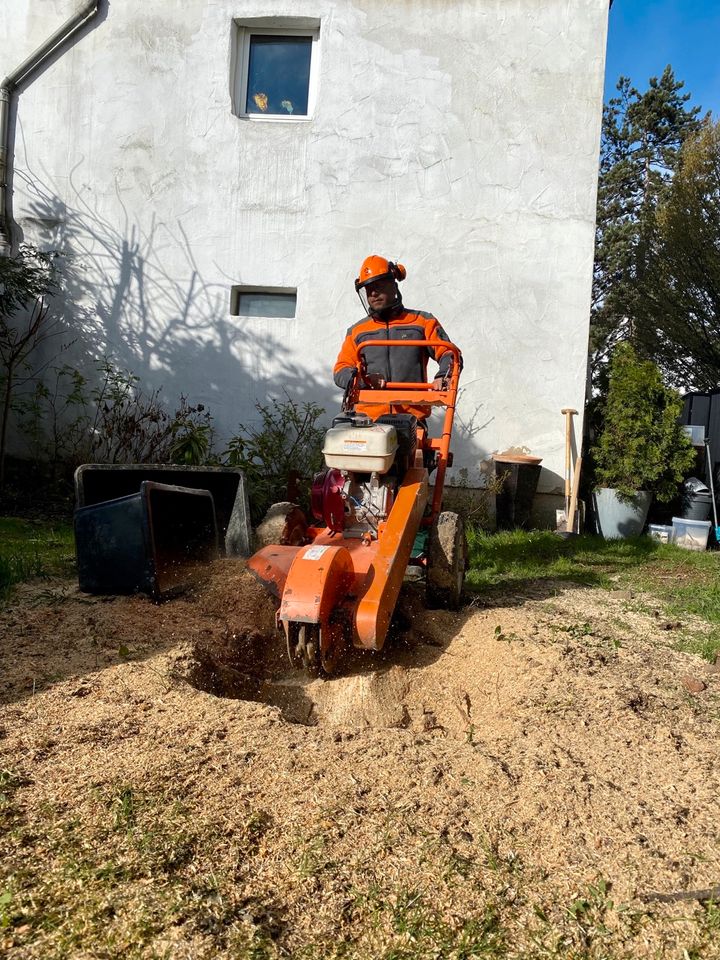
(514, 499)
(97, 482)
(158, 541)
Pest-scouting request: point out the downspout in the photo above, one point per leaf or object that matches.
(9, 85)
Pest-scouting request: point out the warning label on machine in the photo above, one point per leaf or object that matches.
(314, 553)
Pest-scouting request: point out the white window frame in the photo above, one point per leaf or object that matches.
(238, 289)
(281, 27)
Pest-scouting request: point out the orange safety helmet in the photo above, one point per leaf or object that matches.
(378, 268)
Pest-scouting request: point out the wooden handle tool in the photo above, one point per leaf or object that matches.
(568, 413)
(574, 497)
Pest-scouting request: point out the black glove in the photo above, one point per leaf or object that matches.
(344, 377)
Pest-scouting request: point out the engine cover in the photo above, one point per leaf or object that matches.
(368, 449)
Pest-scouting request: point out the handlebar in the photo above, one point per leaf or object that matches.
(412, 393)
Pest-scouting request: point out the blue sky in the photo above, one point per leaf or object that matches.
(645, 35)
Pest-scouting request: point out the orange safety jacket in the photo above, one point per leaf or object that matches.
(404, 365)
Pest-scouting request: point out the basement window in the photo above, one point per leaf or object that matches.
(279, 304)
(275, 66)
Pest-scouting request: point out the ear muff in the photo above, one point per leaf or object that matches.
(397, 270)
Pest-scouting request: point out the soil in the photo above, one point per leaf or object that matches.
(558, 745)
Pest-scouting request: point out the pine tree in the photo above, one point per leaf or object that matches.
(641, 141)
(679, 298)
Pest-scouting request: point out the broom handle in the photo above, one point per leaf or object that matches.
(710, 475)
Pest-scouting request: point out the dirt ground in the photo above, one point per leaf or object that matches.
(516, 779)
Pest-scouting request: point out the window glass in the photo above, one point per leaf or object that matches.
(263, 304)
(278, 74)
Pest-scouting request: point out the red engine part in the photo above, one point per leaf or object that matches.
(326, 500)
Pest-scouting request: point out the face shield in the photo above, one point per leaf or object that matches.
(378, 294)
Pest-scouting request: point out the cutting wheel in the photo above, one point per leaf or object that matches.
(303, 646)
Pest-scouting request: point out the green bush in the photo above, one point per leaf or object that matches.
(106, 417)
(642, 445)
(286, 446)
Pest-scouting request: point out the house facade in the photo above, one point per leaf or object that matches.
(213, 172)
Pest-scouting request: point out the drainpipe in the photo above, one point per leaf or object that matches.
(9, 85)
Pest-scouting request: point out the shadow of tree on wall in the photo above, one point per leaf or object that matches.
(119, 299)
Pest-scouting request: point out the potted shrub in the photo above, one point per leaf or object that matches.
(642, 450)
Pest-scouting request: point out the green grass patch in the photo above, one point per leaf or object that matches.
(685, 582)
(509, 559)
(30, 548)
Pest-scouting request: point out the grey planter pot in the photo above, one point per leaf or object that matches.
(615, 519)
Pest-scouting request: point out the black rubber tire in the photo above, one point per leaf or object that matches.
(447, 561)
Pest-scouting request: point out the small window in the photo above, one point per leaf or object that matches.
(278, 74)
(258, 302)
(275, 69)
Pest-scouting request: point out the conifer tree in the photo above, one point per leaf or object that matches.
(641, 141)
(678, 303)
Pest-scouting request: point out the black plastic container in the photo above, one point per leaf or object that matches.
(158, 541)
(514, 500)
(98, 482)
(696, 506)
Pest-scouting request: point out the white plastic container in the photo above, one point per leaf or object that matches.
(662, 532)
(361, 449)
(691, 534)
(696, 433)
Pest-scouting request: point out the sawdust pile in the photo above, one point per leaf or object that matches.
(519, 774)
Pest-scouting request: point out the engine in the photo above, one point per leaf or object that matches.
(355, 493)
(365, 461)
(352, 504)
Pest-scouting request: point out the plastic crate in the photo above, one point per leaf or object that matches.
(691, 534)
(663, 532)
(100, 482)
(696, 432)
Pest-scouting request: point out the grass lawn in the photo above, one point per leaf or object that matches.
(32, 548)
(687, 583)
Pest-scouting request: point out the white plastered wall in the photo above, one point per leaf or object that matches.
(460, 137)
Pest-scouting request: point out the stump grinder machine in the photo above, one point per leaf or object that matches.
(376, 517)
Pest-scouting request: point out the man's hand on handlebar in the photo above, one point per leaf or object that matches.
(442, 380)
(374, 381)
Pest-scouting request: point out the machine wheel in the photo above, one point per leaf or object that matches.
(311, 651)
(304, 647)
(447, 560)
